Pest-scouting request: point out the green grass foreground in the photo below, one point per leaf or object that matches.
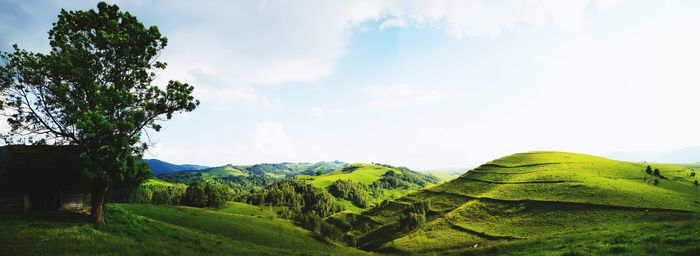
(537, 203)
(236, 229)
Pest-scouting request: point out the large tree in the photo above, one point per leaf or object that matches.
(94, 89)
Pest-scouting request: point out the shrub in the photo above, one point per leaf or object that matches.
(216, 195)
(195, 195)
(310, 221)
(212, 195)
(414, 215)
(412, 220)
(696, 183)
(140, 195)
(355, 192)
(167, 194)
(297, 195)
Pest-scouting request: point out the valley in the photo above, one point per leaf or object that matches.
(527, 203)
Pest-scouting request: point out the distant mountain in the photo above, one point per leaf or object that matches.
(250, 178)
(684, 155)
(159, 167)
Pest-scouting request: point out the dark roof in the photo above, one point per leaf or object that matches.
(40, 168)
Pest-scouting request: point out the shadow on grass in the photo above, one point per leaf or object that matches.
(46, 216)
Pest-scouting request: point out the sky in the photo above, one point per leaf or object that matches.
(424, 84)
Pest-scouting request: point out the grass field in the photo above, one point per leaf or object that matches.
(362, 173)
(537, 203)
(236, 229)
(532, 199)
(156, 182)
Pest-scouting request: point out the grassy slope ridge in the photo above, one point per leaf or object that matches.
(535, 195)
(260, 174)
(236, 229)
(361, 173)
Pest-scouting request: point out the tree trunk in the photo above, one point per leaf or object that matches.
(98, 200)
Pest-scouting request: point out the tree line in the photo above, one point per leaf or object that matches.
(198, 194)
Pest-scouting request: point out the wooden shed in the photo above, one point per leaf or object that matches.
(42, 177)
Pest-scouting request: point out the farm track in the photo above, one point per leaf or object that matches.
(516, 182)
(561, 203)
(478, 233)
(524, 165)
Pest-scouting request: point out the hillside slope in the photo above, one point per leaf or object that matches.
(532, 195)
(236, 229)
(159, 167)
(381, 182)
(250, 178)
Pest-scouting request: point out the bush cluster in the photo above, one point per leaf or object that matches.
(151, 194)
(315, 224)
(298, 196)
(414, 215)
(355, 192)
(211, 195)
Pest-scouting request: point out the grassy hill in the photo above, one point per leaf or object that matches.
(537, 197)
(367, 174)
(236, 229)
(250, 178)
(362, 173)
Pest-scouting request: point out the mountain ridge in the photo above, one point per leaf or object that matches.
(158, 166)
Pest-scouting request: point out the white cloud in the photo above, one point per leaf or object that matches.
(270, 138)
(321, 113)
(398, 95)
(266, 142)
(212, 89)
(484, 18)
(246, 43)
(272, 42)
(234, 96)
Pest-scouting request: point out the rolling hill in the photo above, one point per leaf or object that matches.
(236, 229)
(538, 196)
(250, 178)
(383, 182)
(160, 167)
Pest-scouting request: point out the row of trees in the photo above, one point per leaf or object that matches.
(211, 195)
(156, 194)
(198, 194)
(319, 227)
(414, 215)
(407, 177)
(355, 192)
(298, 196)
(303, 203)
(656, 173)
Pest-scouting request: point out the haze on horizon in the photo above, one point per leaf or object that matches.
(415, 83)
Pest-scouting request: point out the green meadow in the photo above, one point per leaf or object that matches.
(535, 203)
(236, 229)
(530, 201)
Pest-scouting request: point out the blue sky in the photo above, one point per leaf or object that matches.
(426, 84)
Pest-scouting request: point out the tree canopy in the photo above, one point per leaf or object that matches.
(94, 89)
